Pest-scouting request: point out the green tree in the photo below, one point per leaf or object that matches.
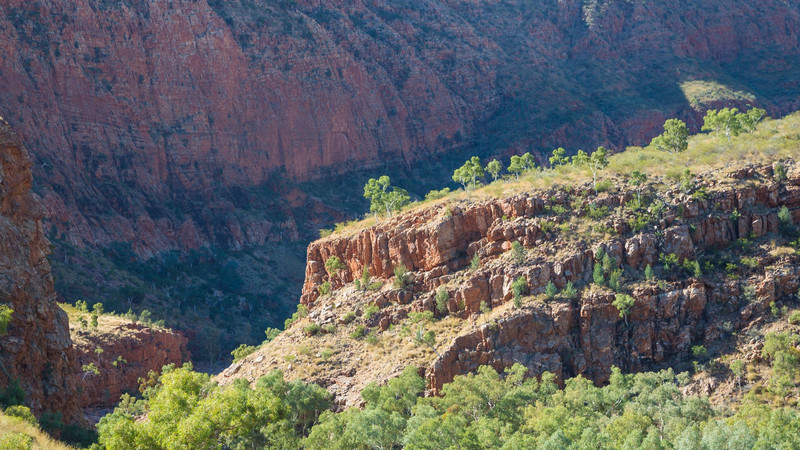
(528, 161)
(598, 276)
(559, 157)
(649, 275)
(469, 173)
(494, 168)
(517, 165)
(724, 121)
(750, 119)
(596, 162)
(624, 303)
(384, 200)
(675, 138)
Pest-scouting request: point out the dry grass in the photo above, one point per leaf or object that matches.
(10, 426)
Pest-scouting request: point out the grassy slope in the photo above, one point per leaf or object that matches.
(10, 426)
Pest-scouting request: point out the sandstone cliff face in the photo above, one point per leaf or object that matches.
(37, 350)
(127, 352)
(150, 120)
(585, 335)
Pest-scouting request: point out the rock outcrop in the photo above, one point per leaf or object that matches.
(151, 121)
(123, 353)
(581, 335)
(37, 350)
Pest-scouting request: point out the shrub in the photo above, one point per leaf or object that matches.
(605, 185)
(675, 138)
(334, 265)
(750, 262)
(785, 220)
(517, 252)
(240, 352)
(699, 352)
(442, 298)
(436, 195)
(271, 333)
(325, 232)
(475, 263)
(794, 318)
(5, 317)
(597, 212)
(326, 354)
(302, 311)
(669, 261)
(615, 280)
(330, 328)
(597, 274)
(649, 275)
(779, 171)
(324, 288)
(348, 317)
(420, 317)
(16, 441)
(359, 332)
(370, 311)
(519, 287)
(402, 278)
(485, 307)
(82, 306)
(735, 215)
(23, 413)
(311, 329)
(550, 290)
(569, 291)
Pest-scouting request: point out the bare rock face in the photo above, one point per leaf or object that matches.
(123, 354)
(150, 121)
(37, 351)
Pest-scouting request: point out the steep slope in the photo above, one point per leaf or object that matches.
(150, 121)
(721, 246)
(37, 350)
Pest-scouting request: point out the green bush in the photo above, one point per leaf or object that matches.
(402, 278)
(359, 332)
(597, 212)
(370, 311)
(550, 290)
(436, 195)
(240, 352)
(23, 413)
(5, 318)
(519, 287)
(329, 328)
(779, 171)
(475, 263)
(569, 292)
(312, 329)
(794, 318)
(348, 317)
(518, 252)
(16, 441)
(442, 299)
(324, 288)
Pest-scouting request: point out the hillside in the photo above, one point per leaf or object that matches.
(722, 262)
(220, 126)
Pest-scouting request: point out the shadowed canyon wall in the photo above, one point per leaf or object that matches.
(151, 122)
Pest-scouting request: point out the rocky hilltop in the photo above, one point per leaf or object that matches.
(151, 121)
(701, 256)
(37, 349)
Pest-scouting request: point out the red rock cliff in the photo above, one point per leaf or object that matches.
(147, 119)
(37, 350)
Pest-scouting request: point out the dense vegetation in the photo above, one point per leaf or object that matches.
(483, 410)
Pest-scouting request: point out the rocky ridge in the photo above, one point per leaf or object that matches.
(584, 335)
(37, 350)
